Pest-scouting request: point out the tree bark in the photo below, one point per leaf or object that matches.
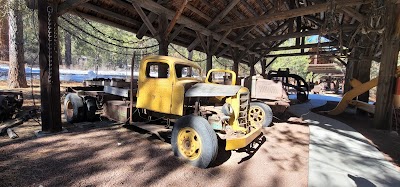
(68, 56)
(3, 37)
(16, 73)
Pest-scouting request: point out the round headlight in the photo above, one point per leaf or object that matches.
(227, 109)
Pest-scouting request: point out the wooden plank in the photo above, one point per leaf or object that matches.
(145, 18)
(289, 14)
(68, 5)
(176, 17)
(215, 21)
(198, 12)
(301, 54)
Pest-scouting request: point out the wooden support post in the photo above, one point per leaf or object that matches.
(162, 38)
(387, 71)
(263, 67)
(252, 62)
(209, 53)
(49, 66)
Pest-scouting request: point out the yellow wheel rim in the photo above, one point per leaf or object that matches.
(189, 143)
(256, 114)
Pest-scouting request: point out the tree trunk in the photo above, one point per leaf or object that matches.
(3, 37)
(68, 56)
(16, 73)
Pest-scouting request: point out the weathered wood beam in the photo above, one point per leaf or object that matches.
(175, 33)
(302, 54)
(387, 71)
(189, 23)
(143, 29)
(198, 12)
(290, 14)
(176, 17)
(68, 5)
(203, 43)
(294, 35)
(108, 13)
(272, 61)
(216, 20)
(353, 13)
(237, 39)
(300, 46)
(49, 67)
(145, 18)
(215, 48)
(103, 21)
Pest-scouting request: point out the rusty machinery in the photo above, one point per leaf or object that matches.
(10, 103)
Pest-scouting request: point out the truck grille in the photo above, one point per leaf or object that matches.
(244, 109)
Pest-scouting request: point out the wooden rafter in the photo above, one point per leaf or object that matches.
(220, 42)
(176, 17)
(290, 14)
(325, 44)
(215, 21)
(143, 29)
(102, 11)
(145, 18)
(189, 23)
(353, 13)
(68, 5)
(176, 33)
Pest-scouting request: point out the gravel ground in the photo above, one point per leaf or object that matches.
(107, 154)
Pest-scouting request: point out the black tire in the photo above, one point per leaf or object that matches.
(91, 108)
(208, 140)
(74, 108)
(260, 113)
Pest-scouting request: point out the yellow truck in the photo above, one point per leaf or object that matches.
(172, 89)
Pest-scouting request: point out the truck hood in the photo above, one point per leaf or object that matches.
(212, 90)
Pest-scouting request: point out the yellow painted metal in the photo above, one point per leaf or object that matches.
(354, 83)
(222, 71)
(164, 95)
(358, 89)
(350, 95)
(189, 143)
(234, 101)
(363, 106)
(256, 115)
(242, 141)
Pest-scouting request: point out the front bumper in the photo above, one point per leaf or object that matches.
(239, 141)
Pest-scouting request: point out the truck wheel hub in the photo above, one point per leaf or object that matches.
(189, 143)
(256, 114)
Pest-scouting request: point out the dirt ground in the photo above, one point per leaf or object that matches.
(109, 154)
(387, 143)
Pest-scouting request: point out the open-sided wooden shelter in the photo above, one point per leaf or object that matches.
(245, 31)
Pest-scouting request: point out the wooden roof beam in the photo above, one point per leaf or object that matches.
(300, 46)
(143, 29)
(290, 14)
(145, 18)
(302, 54)
(175, 33)
(187, 22)
(176, 17)
(216, 20)
(108, 13)
(68, 5)
(353, 13)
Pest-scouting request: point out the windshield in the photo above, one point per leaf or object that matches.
(183, 71)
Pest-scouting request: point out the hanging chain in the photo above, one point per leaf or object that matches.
(50, 44)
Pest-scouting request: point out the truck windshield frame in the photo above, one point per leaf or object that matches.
(185, 71)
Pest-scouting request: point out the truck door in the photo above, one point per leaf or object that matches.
(155, 87)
